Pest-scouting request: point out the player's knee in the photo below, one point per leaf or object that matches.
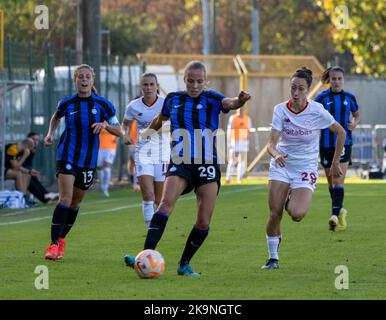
(65, 199)
(297, 215)
(202, 224)
(165, 206)
(148, 196)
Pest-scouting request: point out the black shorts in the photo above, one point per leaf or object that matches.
(327, 154)
(83, 177)
(196, 174)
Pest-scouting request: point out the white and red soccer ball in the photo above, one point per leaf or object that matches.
(149, 264)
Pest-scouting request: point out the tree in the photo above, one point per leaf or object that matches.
(358, 27)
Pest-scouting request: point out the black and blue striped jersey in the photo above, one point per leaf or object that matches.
(192, 119)
(340, 105)
(78, 144)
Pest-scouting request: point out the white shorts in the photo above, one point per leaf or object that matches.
(158, 171)
(239, 146)
(299, 175)
(105, 155)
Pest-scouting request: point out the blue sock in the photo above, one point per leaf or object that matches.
(156, 229)
(337, 200)
(58, 220)
(193, 243)
(70, 220)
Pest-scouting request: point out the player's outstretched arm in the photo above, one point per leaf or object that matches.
(236, 102)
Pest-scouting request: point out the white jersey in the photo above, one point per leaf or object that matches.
(300, 131)
(157, 148)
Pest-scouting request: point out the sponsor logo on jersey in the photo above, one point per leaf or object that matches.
(287, 120)
(177, 106)
(140, 114)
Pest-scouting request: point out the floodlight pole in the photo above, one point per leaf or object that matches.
(2, 132)
(206, 27)
(255, 28)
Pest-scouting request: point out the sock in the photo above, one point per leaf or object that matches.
(337, 200)
(193, 243)
(273, 246)
(241, 169)
(101, 178)
(331, 189)
(107, 178)
(230, 167)
(58, 221)
(71, 217)
(156, 229)
(148, 211)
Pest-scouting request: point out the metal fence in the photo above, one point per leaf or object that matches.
(29, 107)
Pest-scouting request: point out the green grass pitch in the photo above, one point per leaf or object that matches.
(229, 260)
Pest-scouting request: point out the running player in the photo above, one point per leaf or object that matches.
(344, 108)
(194, 116)
(106, 156)
(86, 114)
(293, 168)
(150, 168)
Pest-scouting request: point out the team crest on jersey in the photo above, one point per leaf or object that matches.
(199, 106)
(172, 169)
(94, 111)
(345, 103)
(68, 166)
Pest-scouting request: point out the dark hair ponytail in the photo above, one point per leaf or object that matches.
(326, 73)
(303, 73)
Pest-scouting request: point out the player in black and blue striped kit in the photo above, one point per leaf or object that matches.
(85, 115)
(194, 117)
(344, 108)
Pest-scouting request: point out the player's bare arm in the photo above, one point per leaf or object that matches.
(274, 137)
(335, 169)
(236, 102)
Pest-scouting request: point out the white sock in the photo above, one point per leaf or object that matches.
(101, 178)
(240, 170)
(107, 178)
(273, 246)
(148, 211)
(230, 169)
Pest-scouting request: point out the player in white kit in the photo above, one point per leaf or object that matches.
(151, 156)
(293, 169)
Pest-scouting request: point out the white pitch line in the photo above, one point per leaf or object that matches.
(118, 208)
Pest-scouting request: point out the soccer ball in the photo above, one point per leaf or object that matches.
(149, 264)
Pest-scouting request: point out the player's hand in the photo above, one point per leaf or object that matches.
(335, 170)
(34, 173)
(26, 152)
(280, 159)
(48, 140)
(243, 97)
(127, 140)
(351, 126)
(98, 126)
